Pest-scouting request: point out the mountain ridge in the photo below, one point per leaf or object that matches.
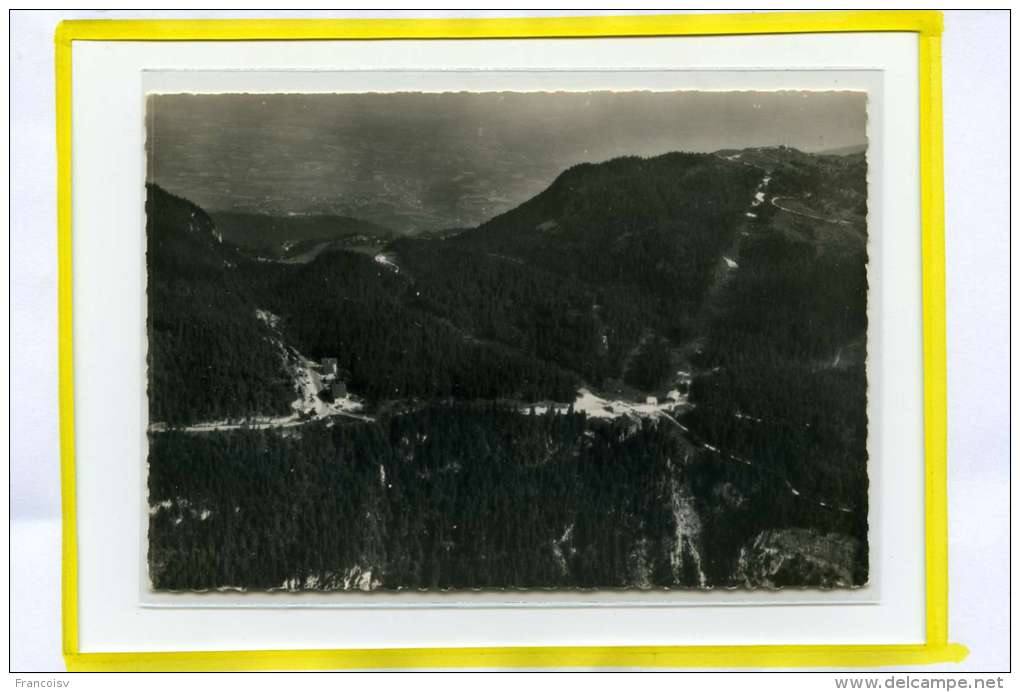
(281, 236)
(663, 387)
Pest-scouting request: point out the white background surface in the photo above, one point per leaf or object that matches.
(975, 50)
(109, 339)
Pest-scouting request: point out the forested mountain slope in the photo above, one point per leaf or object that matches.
(486, 458)
(208, 357)
(656, 224)
(611, 258)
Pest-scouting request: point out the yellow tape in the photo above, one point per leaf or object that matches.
(927, 24)
(527, 657)
(933, 296)
(65, 353)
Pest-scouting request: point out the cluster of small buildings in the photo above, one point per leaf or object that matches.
(333, 387)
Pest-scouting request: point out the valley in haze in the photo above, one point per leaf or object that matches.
(649, 373)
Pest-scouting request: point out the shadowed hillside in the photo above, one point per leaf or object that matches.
(651, 374)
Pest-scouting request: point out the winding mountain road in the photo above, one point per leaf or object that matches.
(775, 203)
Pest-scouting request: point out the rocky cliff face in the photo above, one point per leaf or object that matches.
(790, 557)
(685, 559)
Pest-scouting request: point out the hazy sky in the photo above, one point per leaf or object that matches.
(425, 161)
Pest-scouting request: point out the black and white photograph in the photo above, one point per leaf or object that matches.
(471, 341)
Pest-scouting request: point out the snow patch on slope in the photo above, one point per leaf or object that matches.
(595, 406)
(387, 262)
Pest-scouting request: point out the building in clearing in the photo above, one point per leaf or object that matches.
(333, 386)
(683, 381)
(333, 391)
(328, 368)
